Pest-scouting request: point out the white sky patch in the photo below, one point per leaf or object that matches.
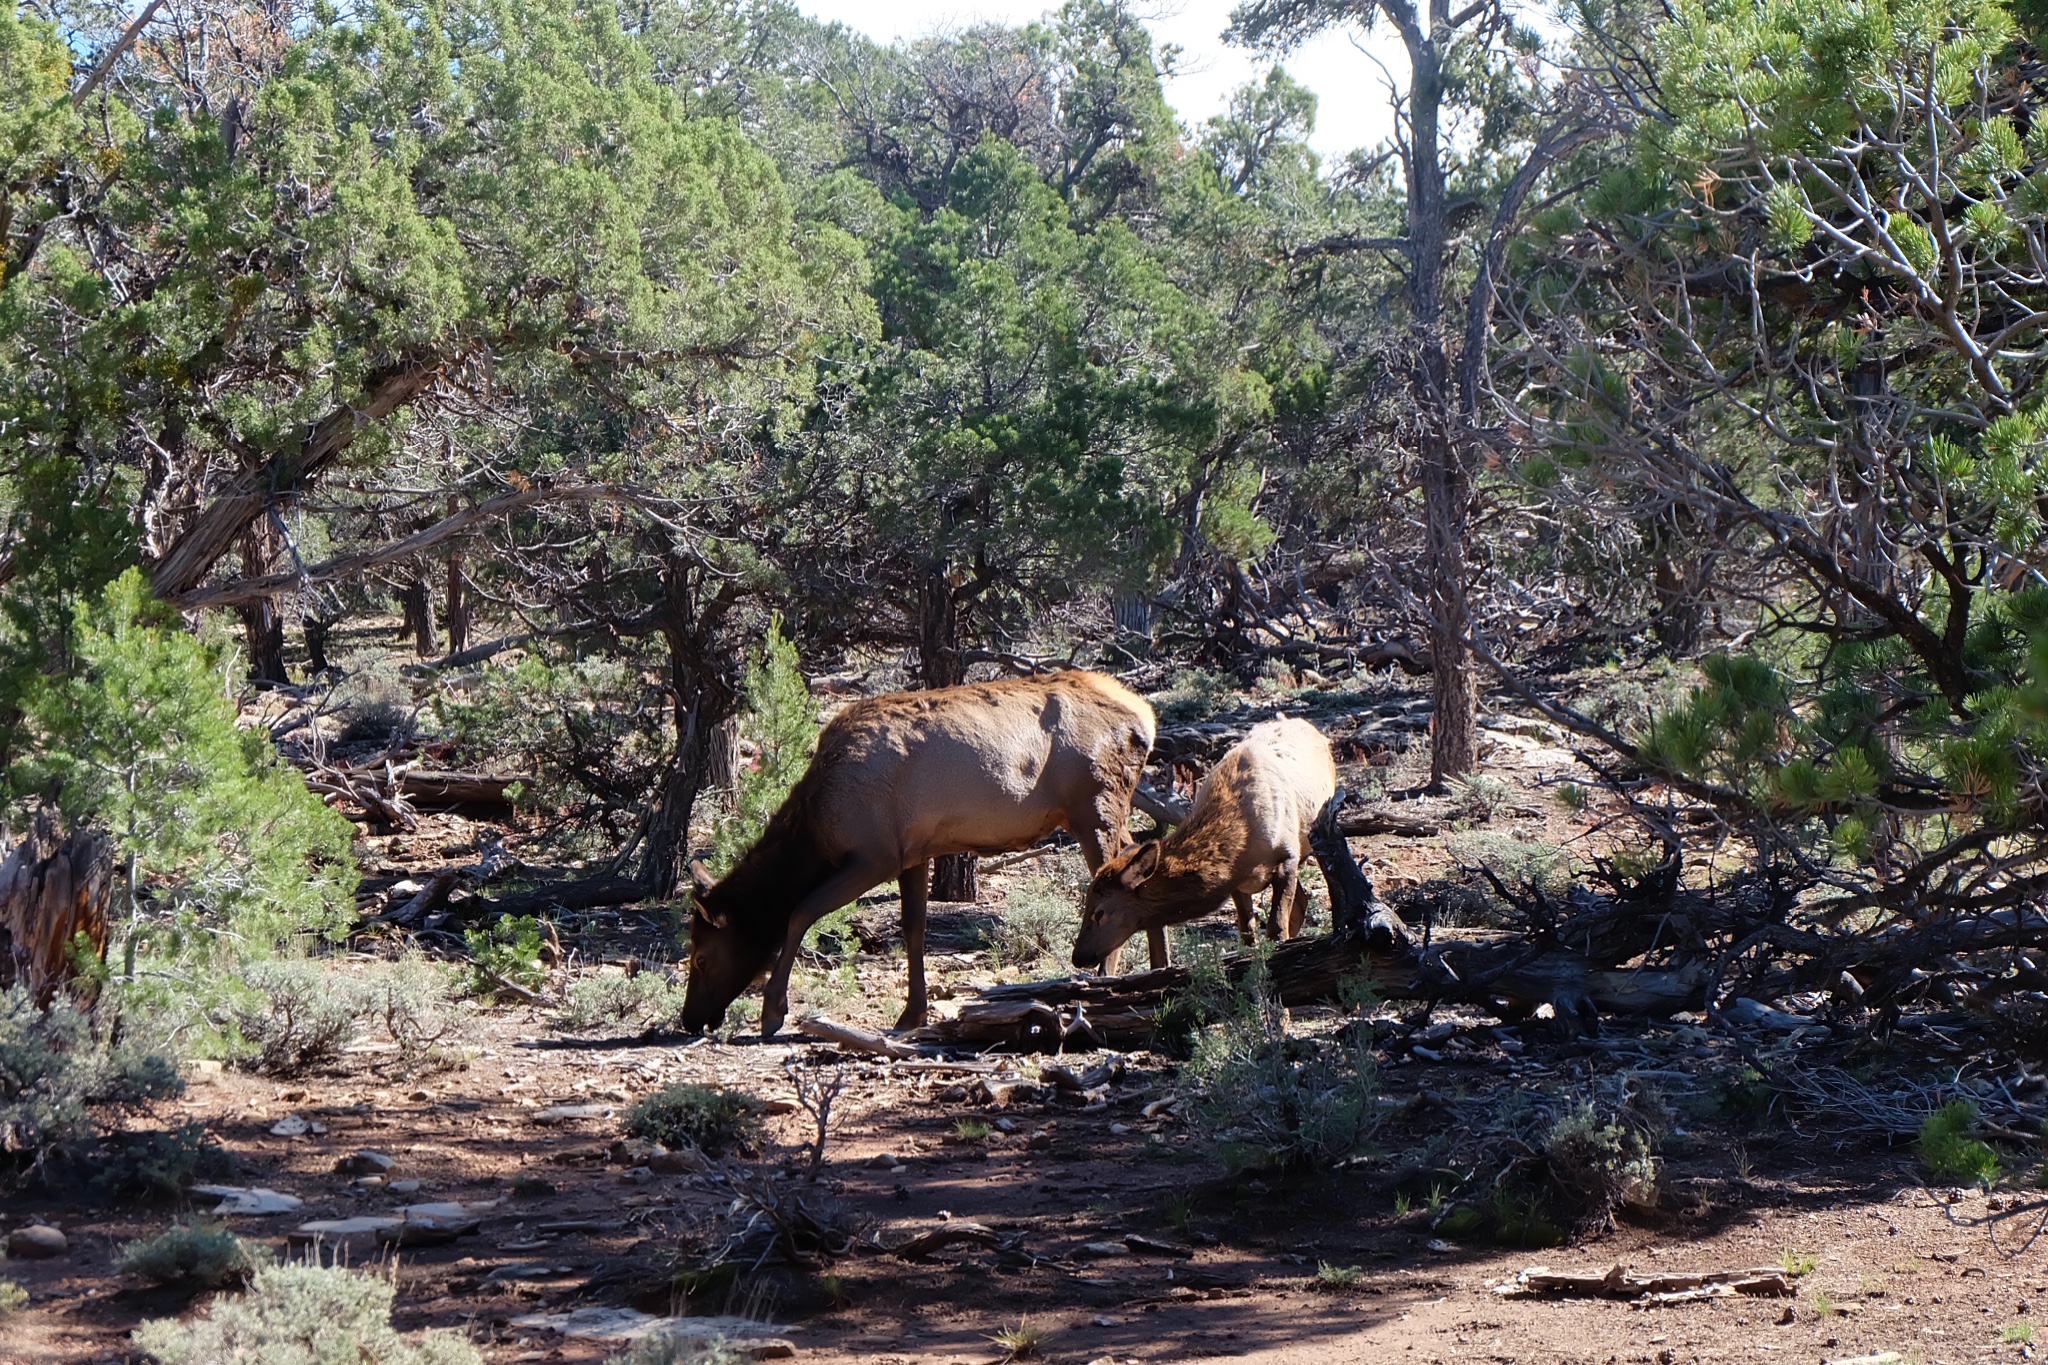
(1353, 105)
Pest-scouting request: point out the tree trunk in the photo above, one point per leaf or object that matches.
(316, 628)
(939, 664)
(458, 598)
(262, 625)
(418, 606)
(52, 891)
(1446, 478)
(705, 668)
(725, 757)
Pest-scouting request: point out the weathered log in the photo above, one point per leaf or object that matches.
(52, 890)
(1352, 901)
(587, 893)
(438, 789)
(847, 1036)
(1508, 975)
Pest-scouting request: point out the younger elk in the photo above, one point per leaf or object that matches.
(1247, 831)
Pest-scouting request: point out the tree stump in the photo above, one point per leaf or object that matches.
(52, 890)
(953, 878)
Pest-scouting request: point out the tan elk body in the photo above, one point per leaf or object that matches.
(902, 779)
(1247, 831)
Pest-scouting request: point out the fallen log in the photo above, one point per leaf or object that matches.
(1508, 975)
(587, 893)
(440, 790)
(857, 1039)
(952, 1234)
(1618, 1283)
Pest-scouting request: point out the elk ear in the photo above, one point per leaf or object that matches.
(1142, 865)
(700, 876)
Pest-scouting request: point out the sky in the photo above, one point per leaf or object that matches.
(1353, 107)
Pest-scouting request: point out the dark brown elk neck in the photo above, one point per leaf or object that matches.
(1196, 865)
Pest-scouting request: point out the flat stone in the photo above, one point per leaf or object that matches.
(364, 1227)
(404, 1187)
(240, 1199)
(365, 1162)
(569, 1113)
(755, 1340)
(36, 1242)
(1103, 1250)
(291, 1125)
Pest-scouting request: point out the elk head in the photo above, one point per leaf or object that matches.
(1114, 909)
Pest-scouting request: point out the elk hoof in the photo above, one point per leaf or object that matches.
(910, 1019)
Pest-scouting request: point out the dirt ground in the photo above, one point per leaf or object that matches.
(568, 1222)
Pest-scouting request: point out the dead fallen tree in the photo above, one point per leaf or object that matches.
(1505, 974)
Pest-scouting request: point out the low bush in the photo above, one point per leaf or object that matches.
(1948, 1150)
(709, 1117)
(1039, 921)
(157, 1166)
(58, 1071)
(302, 1315)
(606, 1000)
(302, 1015)
(413, 999)
(13, 1298)
(1600, 1159)
(510, 951)
(1196, 695)
(664, 1350)
(204, 1255)
(1273, 1100)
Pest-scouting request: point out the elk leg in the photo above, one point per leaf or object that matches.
(1245, 915)
(1286, 881)
(1155, 943)
(916, 885)
(1297, 914)
(1095, 845)
(842, 886)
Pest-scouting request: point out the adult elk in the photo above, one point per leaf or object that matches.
(902, 779)
(1247, 830)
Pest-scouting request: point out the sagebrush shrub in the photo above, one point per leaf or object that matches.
(302, 1315)
(510, 951)
(663, 1350)
(13, 1298)
(303, 1017)
(604, 999)
(202, 1254)
(156, 1166)
(412, 998)
(1038, 921)
(709, 1117)
(1600, 1162)
(57, 1069)
(1270, 1099)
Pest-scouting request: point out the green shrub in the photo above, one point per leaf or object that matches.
(157, 1166)
(782, 720)
(1948, 1150)
(1039, 921)
(411, 998)
(135, 736)
(509, 951)
(301, 1015)
(1269, 1099)
(1196, 695)
(605, 1000)
(1479, 798)
(1601, 1162)
(302, 1315)
(13, 1298)
(665, 1350)
(205, 1255)
(709, 1117)
(57, 1069)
